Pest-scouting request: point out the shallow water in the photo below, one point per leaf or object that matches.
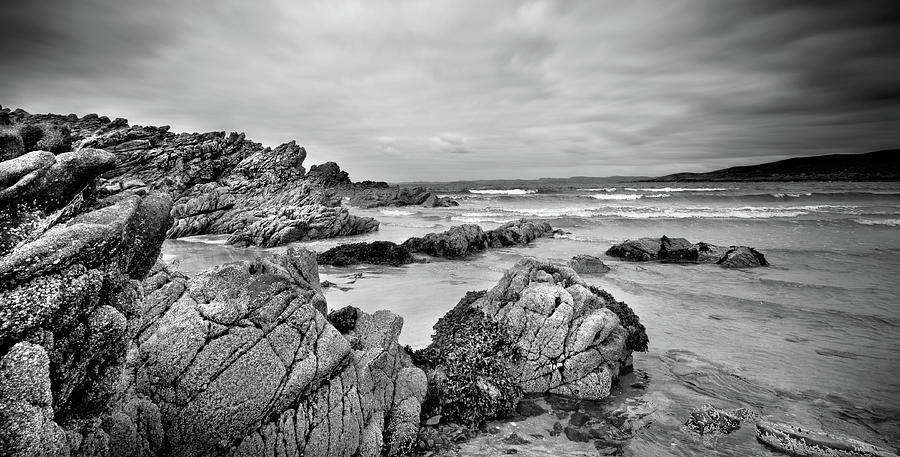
(813, 339)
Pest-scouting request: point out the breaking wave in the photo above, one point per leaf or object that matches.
(503, 191)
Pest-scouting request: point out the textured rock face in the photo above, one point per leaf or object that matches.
(399, 196)
(375, 253)
(680, 250)
(571, 335)
(49, 182)
(793, 440)
(458, 241)
(467, 239)
(541, 329)
(11, 145)
(588, 264)
(241, 361)
(302, 223)
(66, 298)
(221, 183)
(709, 420)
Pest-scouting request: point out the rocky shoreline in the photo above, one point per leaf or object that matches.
(106, 350)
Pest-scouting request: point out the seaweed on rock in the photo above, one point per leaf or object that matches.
(469, 364)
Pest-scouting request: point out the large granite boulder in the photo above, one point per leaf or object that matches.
(680, 250)
(240, 360)
(541, 329)
(66, 297)
(374, 253)
(587, 264)
(464, 240)
(41, 180)
(399, 196)
(301, 223)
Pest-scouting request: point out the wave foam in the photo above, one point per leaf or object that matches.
(616, 196)
(503, 191)
(396, 212)
(887, 222)
(681, 189)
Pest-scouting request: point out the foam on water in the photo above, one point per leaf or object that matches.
(503, 191)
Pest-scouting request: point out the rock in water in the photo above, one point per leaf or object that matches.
(464, 240)
(301, 223)
(742, 257)
(541, 329)
(399, 196)
(794, 440)
(709, 420)
(375, 253)
(588, 264)
(680, 250)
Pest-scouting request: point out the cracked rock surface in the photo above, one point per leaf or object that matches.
(680, 250)
(571, 335)
(467, 239)
(242, 361)
(66, 296)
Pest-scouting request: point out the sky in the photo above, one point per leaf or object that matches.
(457, 89)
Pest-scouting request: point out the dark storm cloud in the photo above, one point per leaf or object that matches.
(404, 90)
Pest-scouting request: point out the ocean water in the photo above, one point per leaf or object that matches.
(813, 340)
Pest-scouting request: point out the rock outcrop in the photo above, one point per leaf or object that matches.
(793, 440)
(374, 253)
(549, 331)
(680, 250)
(221, 183)
(66, 299)
(711, 421)
(468, 239)
(301, 223)
(240, 360)
(48, 182)
(399, 196)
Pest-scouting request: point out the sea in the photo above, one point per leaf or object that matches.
(813, 339)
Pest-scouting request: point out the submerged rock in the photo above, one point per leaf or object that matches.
(793, 440)
(375, 253)
(680, 250)
(709, 420)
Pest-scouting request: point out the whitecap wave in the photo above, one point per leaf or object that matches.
(658, 196)
(798, 195)
(396, 212)
(887, 222)
(616, 196)
(480, 219)
(600, 189)
(503, 191)
(680, 189)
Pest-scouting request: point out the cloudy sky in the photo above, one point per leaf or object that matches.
(443, 90)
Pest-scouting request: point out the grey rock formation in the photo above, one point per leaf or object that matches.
(708, 420)
(587, 264)
(66, 297)
(793, 440)
(221, 183)
(467, 239)
(680, 250)
(240, 360)
(571, 335)
(41, 180)
(301, 223)
(399, 196)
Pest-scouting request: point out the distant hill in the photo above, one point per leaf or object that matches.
(871, 166)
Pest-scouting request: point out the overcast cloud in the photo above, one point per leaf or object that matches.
(442, 90)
